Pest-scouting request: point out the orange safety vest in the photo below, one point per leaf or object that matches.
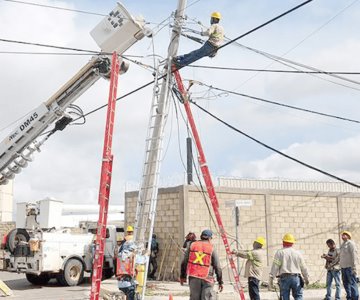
(199, 259)
(125, 267)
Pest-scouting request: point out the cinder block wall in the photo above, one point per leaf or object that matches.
(168, 227)
(312, 217)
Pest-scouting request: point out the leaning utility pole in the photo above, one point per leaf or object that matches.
(148, 192)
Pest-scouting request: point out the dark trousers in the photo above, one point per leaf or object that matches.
(254, 288)
(152, 266)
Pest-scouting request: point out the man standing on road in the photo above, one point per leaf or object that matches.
(289, 265)
(254, 265)
(200, 262)
(348, 263)
(333, 269)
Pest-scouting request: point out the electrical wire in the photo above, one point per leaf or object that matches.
(56, 7)
(273, 70)
(289, 63)
(283, 105)
(312, 33)
(266, 23)
(277, 151)
(64, 9)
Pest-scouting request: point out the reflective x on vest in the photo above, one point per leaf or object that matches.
(199, 259)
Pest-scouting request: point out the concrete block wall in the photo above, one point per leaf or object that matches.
(168, 227)
(312, 217)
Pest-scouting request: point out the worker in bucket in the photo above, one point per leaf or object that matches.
(216, 36)
(289, 266)
(255, 259)
(348, 263)
(200, 263)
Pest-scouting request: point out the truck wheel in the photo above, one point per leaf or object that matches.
(41, 279)
(14, 237)
(73, 273)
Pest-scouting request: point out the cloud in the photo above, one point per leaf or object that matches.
(341, 159)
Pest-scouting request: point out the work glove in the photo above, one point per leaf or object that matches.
(306, 281)
(221, 287)
(182, 281)
(271, 286)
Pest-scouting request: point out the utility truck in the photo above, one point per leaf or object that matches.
(41, 249)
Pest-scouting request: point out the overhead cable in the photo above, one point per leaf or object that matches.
(62, 8)
(281, 104)
(266, 23)
(56, 7)
(274, 70)
(277, 151)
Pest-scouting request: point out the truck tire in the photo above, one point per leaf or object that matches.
(41, 279)
(73, 273)
(14, 237)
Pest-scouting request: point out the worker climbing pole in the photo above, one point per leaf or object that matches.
(105, 182)
(208, 181)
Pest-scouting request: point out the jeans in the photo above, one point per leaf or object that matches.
(333, 274)
(254, 288)
(291, 283)
(129, 292)
(205, 50)
(350, 284)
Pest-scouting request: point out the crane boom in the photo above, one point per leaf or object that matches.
(117, 32)
(17, 148)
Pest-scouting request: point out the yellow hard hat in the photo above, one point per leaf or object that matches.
(289, 238)
(347, 233)
(129, 228)
(216, 15)
(261, 240)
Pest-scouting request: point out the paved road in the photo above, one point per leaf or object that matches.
(22, 289)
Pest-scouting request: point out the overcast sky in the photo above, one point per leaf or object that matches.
(323, 34)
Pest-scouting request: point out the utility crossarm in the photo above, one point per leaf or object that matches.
(17, 148)
(115, 33)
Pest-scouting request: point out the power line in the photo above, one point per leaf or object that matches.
(277, 151)
(274, 70)
(288, 62)
(51, 46)
(309, 35)
(266, 23)
(57, 7)
(281, 104)
(65, 9)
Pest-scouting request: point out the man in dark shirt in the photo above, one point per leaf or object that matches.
(200, 263)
